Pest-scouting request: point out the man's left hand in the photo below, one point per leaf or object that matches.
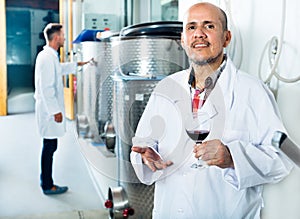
(214, 152)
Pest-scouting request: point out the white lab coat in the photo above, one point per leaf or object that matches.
(49, 94)
(245, 118)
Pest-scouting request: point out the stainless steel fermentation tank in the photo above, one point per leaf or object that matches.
(94, 91)
(114, 94)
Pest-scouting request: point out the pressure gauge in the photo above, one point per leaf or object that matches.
(169, 11)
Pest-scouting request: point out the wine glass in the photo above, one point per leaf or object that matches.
(197, 126)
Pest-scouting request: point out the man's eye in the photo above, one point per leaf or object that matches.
(191, 28)
(210, 26)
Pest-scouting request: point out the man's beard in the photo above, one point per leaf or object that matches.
(207, 61)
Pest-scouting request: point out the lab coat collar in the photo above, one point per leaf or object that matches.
(226, 82)
(50, 50)
(176, 87)
(222, 90)
(220, 100)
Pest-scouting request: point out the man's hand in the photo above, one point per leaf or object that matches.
(214, 152)
(58, 117)
(91, 61)
(151, 158)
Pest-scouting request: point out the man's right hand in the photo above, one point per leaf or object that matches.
(151, 158)
(58, 117)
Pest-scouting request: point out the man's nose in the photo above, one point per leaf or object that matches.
(199, 33)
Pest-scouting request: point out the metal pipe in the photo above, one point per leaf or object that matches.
(3, 67)
(62, 21)
(125, 13)
(287, 146)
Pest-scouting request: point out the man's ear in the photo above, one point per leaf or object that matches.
(55, 36)
(227, 38)
(181, 39)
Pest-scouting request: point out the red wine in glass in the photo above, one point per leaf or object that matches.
(197, 135)
(198, 127)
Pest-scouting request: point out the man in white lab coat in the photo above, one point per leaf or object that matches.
(238, 150)
(50, 101)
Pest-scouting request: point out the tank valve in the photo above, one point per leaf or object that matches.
(118, 204)
(109, 136)
(82, 125)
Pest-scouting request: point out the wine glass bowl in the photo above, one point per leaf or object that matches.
(197, 135)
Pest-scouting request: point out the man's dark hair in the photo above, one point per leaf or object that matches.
(50, 29)
(224, 20)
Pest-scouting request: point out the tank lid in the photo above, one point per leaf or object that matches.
(169, 29)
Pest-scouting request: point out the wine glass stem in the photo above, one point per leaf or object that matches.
(200, 162)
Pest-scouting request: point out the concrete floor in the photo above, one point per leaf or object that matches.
(20, 193)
